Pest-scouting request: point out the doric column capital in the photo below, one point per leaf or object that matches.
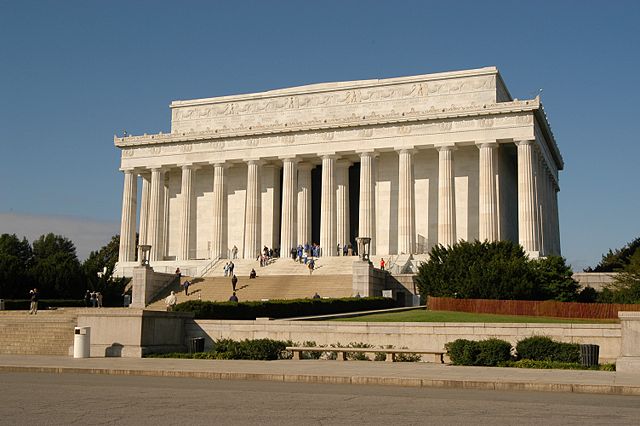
(305, 166)
(487, 144)
(406, 150)
(525, 142)
(329, 156)
(289, 159)
(255, 161)
(343, 163)
(189, 166)
(448, 147)
(368, 153)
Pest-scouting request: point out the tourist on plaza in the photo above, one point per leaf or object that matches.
(99, 299)
(234, 282)
(252, 274)
(338, 251)
(345, 250)
(33, 308)
(293, 253)
(226, 269)
(316, 296)
(233, 298)
(350, 250)
(311, 266)
(94, 299)
(305, 258)
(382, 264)
(87, 299)
(231, 268)
(186, 285)
(171, 301)
(178, 273)
(234, 251)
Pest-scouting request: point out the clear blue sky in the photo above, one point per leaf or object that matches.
(72, 73)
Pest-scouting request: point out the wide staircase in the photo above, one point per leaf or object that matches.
(285, 266)
(264, 287)
(46, 333)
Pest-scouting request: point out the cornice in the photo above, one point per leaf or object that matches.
(351, 121)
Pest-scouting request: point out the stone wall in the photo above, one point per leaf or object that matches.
(431, 336)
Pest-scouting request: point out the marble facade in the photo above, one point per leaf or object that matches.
(422, 160)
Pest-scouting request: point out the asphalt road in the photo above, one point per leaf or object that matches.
(32, 398)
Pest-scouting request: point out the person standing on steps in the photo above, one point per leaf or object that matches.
(382, 264)
(234, 282)
(87, 299)
(33, 309)
(186, 287)
(171, 301)
(231, 268)
(226, 269)
(234, 252)
(312, 265)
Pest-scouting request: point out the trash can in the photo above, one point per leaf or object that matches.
(82, 342)
(196, 344)
(589, 355)
(127, 300)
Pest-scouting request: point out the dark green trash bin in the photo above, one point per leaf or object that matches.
(589, 355)
(196, 344)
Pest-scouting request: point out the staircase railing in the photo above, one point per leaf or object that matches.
(208, 267)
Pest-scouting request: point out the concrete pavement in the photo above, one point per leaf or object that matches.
(339, 372)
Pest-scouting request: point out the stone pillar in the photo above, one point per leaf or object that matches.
(165, 216)
(144, 211)
(342, 203)
(185, 217)
(219, 234)
(304, 205)
(488, 220)
(527, 212)
(156, 215)
(252, 217)
(629, 359)
(555, 225)
(446, 197)
(269, 234)
(128, 224)
(288, 231)
(406, 212)
(367, 213)
(328, 207)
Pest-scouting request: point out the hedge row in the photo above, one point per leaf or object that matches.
(496, 352)
(17, 305)
(282, 308)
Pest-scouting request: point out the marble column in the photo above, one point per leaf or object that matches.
(446, 197)
(342, 203)
(488, 203)
(144, 211)
(406, 212)
(527, 211)
(328, 207)
(219, 235)
(367, 209)
(186, 192)
(165, 216)
(128, 224)
(304, 205)
(556, 218)
(253, 217)
(156, 215)
(288, 230)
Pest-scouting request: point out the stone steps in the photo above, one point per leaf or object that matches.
(47, 333)
(264, 287)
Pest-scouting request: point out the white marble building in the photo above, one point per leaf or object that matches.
(410, 162)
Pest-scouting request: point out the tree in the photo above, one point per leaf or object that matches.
(98, 270)
(555, 279)
(626, 285)
(15, 259)
(616, 260)
(55, 269)
(478, 270)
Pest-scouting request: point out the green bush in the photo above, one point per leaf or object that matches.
(540, 348)
(282, 308)
(528, 363)
(489, 353)
(256, 349)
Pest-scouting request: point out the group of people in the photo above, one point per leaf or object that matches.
(93, 299)
(228, 269)
(266, 256)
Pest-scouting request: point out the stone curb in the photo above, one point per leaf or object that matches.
(345, 380)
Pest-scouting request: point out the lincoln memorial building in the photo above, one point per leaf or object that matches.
(410, 162)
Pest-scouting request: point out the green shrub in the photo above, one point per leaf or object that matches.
(540, 348)
(488, 353)
(357, 356)
(529, 363)
(282, 308)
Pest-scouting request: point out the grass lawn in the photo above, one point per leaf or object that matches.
(447, 316)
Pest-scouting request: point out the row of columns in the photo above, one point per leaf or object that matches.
(537, 204)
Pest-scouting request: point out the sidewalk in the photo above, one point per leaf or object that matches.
(337, 372)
